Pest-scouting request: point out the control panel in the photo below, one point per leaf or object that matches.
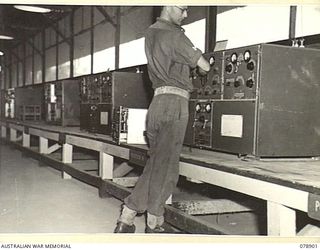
(210, 85)
(96, 88)
(201, 119)
(240, 73)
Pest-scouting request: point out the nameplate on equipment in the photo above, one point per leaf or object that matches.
(138, 157)
(314, 206)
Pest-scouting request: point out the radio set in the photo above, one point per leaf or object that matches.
(102, 93)
(268, 105)
(129, 125)
(29, 102)
(8, 103)
(62, 103)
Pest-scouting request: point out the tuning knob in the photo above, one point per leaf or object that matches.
(251, 65)
(229, 68)
(249, 83)
(237, 83)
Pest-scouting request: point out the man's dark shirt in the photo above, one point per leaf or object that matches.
(170, 55)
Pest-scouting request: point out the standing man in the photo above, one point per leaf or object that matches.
(171, 56)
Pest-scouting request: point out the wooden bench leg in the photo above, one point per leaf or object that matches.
(281, 220)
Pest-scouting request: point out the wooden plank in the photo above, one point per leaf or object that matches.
(58, 165)
(261, 189)
(309, 230)
(98, 146)
(191, 224)
(126, 181)
(67, 151)
(45, 134)
(16, 126)
(3, 131)
(122, 170)
(303, 175)
(43, 143)
(13, 134)
(216, 206)
(105, 166)
(281, 220)
(53, 148)
(25, 140)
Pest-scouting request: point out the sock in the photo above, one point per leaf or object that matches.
(153, 221)
(127, 215)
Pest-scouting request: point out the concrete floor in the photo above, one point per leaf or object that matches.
(36, 199)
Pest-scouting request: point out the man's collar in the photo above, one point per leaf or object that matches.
(159, 19)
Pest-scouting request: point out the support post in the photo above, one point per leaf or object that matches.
(43, 142)
(26, 140)
(67, 150)
(3, 132)
(105, 166)
(281, 220)
(13, 134)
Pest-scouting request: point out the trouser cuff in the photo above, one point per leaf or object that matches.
(153, 220)
(127, 215)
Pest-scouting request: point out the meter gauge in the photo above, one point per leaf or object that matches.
(247, 56)
(208, 107)
(234, 58)
(229, 68)
(198, 107)
(212, 60)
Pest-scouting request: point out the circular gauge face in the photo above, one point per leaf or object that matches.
(247, 56)
(96, 79)
(108, 78)
(198, 107)
(229, 68)
(208, 107)
(212, 60)
(234, 57)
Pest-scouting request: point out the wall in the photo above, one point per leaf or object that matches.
(86, 42)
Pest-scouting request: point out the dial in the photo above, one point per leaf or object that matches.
(208, 107)
(234, 58)
(212, 60)
(198, 108)
(250, 83)
(229, 68)
(251, 65)
(247, 56)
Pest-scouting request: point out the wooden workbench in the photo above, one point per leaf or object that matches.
(286, 184)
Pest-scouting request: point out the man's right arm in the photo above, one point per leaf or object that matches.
(203, 66)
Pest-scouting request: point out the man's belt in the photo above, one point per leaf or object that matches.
(172, 90)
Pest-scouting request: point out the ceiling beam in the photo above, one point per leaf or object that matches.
(106, 15)
(36, 49)
(56, 29)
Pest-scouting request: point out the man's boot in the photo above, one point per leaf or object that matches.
(125, 222)
(155, 224)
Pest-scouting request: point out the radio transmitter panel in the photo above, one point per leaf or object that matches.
(199, 129)
(62, 102)
(8, 103)
(209, 86)
(269, 103)
(129, 125)
(102, 93)
(29, 102)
